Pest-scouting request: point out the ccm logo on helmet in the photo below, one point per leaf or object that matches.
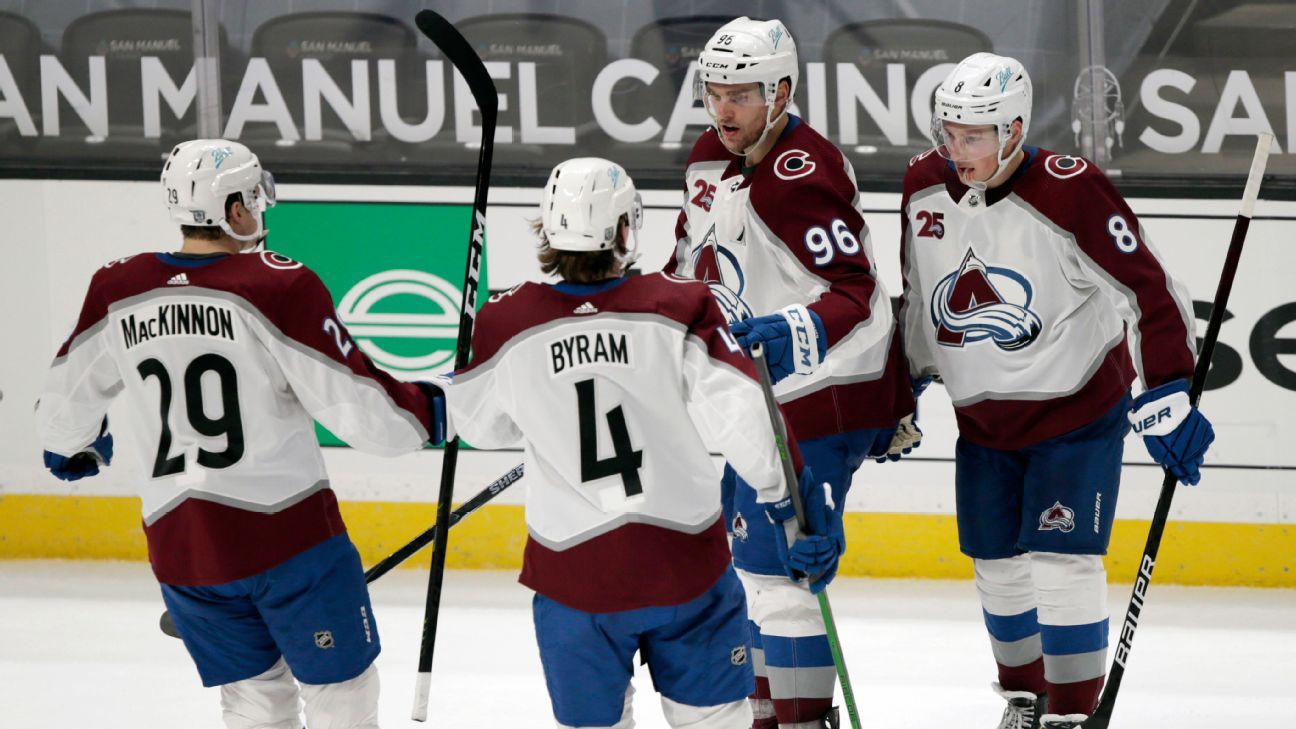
(793, 164)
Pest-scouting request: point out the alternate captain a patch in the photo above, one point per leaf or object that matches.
(979, 302)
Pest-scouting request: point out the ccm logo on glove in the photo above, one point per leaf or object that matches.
(806, 354)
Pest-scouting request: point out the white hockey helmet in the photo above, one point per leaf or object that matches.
(583, 202)
(747, 51)
(984, 88)
(201, 174)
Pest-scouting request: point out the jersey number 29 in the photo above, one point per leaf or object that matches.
(229, 424)
(625, 459)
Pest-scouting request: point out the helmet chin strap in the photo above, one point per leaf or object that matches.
(769, 124)
(1002, 161)
(257, 235)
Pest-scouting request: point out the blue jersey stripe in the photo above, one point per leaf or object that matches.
(1009, 628)
(1063, 640)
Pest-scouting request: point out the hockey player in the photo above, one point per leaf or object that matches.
(223, 360)
(1017, 264)
(616, 387)
(771, 221)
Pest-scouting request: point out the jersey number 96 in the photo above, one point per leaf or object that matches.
(825, 246)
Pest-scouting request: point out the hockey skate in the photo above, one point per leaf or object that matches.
(1061, 721)
(1024, 708)
(832, 719)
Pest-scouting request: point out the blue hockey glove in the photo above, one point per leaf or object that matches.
(87, 462)
(794, 340)
(1176, 433)
(815, 554)
(908, 435)
(436, 399)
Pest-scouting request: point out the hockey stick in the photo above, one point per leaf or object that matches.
(388, 563)
(1102, 714)
(789, 475)
(465, 60)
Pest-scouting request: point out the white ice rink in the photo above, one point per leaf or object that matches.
(80, 649)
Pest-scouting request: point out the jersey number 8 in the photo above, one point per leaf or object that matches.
(825, 247)
(1121, 235)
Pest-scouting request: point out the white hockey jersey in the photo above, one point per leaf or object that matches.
(616, 393)
(224, 361)
(1021, 298)
(790, 231)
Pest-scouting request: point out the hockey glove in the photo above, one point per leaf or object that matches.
(1176, 433)
(815, 554)
(908, 435)
(87, 462)
(794, 339)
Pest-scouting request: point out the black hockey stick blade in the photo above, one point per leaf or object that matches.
(388, 563)
(1101, 717)
(460, 54)
(466, 61)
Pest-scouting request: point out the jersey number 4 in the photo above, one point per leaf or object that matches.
(229, 424)
(625, 460)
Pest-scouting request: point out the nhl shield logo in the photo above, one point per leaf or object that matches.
(1057, 516)
(324, 639)
(738, 656)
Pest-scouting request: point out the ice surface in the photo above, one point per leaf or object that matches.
(80, 649)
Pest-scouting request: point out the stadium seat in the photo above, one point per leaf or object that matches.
(123, 37)
(334, 39)
(871, 45)
(568, 54)
(21, 48)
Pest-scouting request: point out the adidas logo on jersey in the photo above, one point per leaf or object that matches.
(585, 308)
(180, 279)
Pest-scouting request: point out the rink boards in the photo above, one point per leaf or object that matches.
(1236, 529)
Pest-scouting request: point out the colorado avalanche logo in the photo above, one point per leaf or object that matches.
(1057, 516)
(976, 303)
(1064, 167)
(793, 164)
(718, 267)
(739, 527)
